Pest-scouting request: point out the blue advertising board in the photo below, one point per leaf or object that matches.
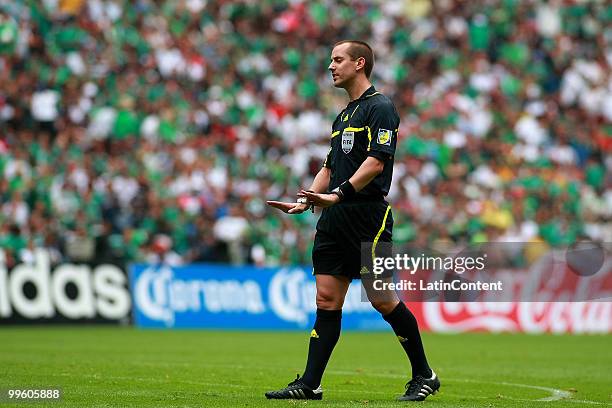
(227, 297)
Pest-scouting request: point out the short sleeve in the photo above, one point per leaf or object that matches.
(383, 123)
(327, 162)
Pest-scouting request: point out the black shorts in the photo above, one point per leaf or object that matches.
(342, 229)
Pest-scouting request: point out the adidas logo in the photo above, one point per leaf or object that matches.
(297, 394)
(426, 390)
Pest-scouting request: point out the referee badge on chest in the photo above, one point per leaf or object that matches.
(348, 139)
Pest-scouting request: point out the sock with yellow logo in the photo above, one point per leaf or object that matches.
(323, 339)
(406, 329)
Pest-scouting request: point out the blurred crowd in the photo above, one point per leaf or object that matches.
(155, 130)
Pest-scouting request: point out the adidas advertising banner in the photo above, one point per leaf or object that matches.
(209, 296)
(66, 293)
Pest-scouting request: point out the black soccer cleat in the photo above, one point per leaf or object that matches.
(296, 390)
(420, 387)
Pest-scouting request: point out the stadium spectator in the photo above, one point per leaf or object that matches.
(131, 121)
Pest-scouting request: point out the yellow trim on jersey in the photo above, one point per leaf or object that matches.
(369, 137)
(334, 134)
(375, 93)
(380, 231)
(325, 165)
(354, 129)
(354, 111)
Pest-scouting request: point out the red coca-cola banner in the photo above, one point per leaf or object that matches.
(528, 317)
(547, 298)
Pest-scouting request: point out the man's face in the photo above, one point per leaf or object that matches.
(342, 68)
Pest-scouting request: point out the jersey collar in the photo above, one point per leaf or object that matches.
(369, 92)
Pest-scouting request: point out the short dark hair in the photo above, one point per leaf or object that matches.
(359, 49)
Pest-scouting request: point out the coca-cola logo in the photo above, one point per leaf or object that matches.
(469, 316)
(550, 297)
(530, 317)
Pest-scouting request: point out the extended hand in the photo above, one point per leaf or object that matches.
(321, 199)
(289, 208)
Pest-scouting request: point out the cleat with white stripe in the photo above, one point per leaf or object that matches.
(420, 388)
(296, 390)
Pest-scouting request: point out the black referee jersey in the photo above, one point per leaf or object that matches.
(366, 127)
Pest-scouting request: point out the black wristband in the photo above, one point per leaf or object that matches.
(347, 189)
(338, 192)
(344, 190)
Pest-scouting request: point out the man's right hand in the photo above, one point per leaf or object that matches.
(289, 208)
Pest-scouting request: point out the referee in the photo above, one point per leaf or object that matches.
(351, 188)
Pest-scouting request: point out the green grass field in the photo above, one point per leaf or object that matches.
(125, 367)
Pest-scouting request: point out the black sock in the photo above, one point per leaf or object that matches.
(323, 338)
(406, 329)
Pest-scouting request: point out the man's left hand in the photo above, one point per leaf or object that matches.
(320, 199)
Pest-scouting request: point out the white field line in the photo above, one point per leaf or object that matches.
(555, 394)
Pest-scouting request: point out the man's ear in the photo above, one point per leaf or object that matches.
(360, 63)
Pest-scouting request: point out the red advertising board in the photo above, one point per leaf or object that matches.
(548, 298)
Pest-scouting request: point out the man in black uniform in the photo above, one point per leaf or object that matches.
(351, 188)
